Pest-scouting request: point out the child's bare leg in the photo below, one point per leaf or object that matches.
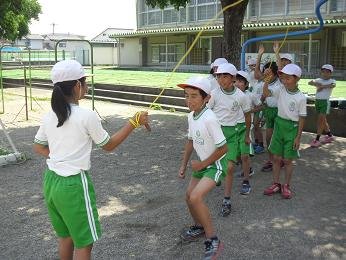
(200, 209)
(245, 162)
(288, 170)
(193, 183)
(229, 179)
(83, 253)
(66, 248)
(276, 168)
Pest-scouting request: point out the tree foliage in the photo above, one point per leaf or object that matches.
(233, 21)
(15, 17)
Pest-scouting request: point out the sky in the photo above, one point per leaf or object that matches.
(84, 17)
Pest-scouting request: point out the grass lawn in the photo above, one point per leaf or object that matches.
(156, 79)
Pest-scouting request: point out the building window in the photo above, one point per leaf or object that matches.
(271, 7)
(170, 16)
(205, 12)
(253, 6)
(155, 17)
(174, 52)
(301, 6)
(337, 5)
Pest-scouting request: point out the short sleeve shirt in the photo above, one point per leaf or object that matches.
(326, 92)
(70, 144)
(205, 132)
(229, 107)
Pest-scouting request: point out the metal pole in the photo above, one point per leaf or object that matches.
(118, 52)
(309, 56)
(1, 83)
(166, 52)
(30, 78)
(26, 95)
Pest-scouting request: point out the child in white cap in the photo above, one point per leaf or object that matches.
(324, 87)
(231, 108)
(206, 138)
(246, 150)
(213, 67)
(289, 123)
(65, 138)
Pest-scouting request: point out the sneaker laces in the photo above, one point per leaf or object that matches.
(208, 245)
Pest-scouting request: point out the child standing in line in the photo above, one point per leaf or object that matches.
(230, 105)
(324, 87)
(242, 82)
(213, 67)
(288, 127)
(206, 138)
(65, 139)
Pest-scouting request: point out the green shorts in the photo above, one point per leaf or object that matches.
(215, 171)
(243, 148)
(285, 131)
(71, 204)
(270, 113)
(230, 132)
(322, 106)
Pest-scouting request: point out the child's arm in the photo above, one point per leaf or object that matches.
(258, 73)
(276, 49)
(41, 150)
(187, 154)
(118, 137)
(217, 154)
(299, 134)
(248, 127)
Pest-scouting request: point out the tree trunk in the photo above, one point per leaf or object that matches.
(233, 21)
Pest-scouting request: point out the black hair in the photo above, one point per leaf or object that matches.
(241, 78)
(63, 91)
(273, 67)
(211, 71)
(202, 92)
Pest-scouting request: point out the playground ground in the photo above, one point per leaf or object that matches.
(141, 200)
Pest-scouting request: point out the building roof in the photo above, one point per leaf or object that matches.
(246, 26)
(61, 36)
(33, 37)
(103, 37)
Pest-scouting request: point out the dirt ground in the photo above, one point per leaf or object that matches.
(141, 200)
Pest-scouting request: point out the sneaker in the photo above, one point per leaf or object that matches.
(276, 187)
(192, 233)
(213, 248)
(225, 209)
(315, 143)
(286, 193)
(327, 139)
(245, 188)
(241, 174)
(259, 149)
(267, 167)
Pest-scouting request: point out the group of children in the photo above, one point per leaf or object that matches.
(223, 108)
(220, 124)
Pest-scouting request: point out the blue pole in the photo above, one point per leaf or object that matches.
(283, 35)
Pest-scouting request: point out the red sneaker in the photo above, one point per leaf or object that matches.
(286, 193)
(276, 187)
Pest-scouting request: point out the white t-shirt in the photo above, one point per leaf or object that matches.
(70, 144)
(326, 92)
(205, 132)
(252, 98)
(257, 89)
(229, 107)
(253, 81)
(213, 82)
(272, 101)
(291, 105)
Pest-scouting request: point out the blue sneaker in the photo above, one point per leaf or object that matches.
(241, 174)
(245, 188)
(259, 149)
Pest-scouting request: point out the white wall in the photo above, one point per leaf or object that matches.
(105, 56)
(131, 52)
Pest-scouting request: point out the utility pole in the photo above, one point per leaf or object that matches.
(53, 25)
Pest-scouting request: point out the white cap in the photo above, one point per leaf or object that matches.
(217, 62)
(328, 67)
(244, 74)
(66, 70)
(292, 69)
(197, 82)
(251, 61)
(286, 56)
(227, 68)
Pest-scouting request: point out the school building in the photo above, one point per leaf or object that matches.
(163, 36)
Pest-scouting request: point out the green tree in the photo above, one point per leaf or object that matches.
(233, 21)
(15, 17)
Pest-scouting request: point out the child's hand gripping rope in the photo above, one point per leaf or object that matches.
(140, 118)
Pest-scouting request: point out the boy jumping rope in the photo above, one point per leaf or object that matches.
(206, 138)
(65, 139)
(324, 87)
(288, 126)
(230, 105)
